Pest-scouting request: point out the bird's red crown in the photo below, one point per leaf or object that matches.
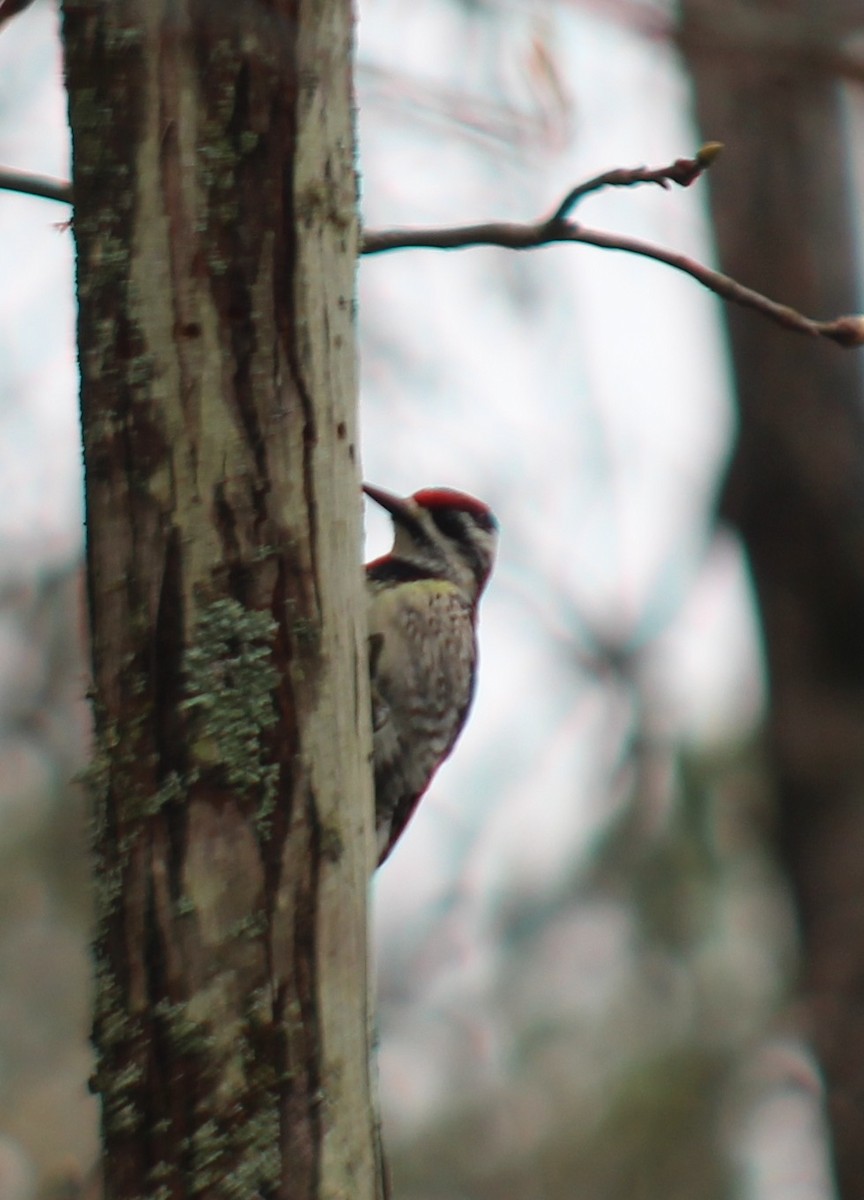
(440, 497)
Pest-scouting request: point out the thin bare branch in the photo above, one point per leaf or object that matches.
(35, 185)
(683, 172)
(845, 331)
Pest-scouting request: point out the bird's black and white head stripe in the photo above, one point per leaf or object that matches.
(467, 523)
(439, 533)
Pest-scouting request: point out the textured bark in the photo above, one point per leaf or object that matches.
(784, 223)
(216, 235)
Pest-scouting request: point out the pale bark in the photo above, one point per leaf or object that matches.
(216, 233)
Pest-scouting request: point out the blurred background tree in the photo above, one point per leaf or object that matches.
(779, 82)
(591, 976)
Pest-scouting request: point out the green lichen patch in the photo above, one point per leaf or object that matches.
(259, 1165)
(239, 1163)
(230, 680)
(185, 1034)
(120, 1108)
(114, 1025)
(172, 791)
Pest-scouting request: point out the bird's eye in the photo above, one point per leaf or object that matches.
(486, 521)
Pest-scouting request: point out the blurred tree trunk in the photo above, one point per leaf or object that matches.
(216, 235)
(784, 224)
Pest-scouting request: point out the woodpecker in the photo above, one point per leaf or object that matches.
(422, 610)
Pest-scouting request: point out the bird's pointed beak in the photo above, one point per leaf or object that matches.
(399, 508)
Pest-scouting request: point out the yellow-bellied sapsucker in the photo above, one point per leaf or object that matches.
(422, 647)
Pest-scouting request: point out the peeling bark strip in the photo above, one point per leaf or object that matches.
(216, 235)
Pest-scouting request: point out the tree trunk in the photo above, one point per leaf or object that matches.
(784, 224)
(216, 234)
